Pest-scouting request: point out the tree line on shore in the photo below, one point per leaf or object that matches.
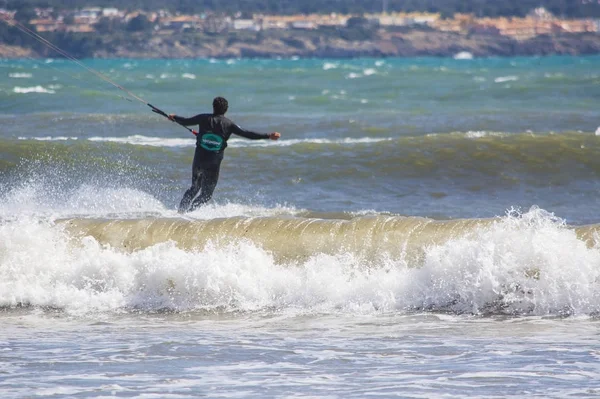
(480, 8)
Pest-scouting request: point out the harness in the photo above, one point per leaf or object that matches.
(211, 142)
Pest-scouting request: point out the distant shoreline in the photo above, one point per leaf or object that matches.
(410, 43)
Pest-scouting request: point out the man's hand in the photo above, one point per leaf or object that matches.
(274, 136)
(172, 117)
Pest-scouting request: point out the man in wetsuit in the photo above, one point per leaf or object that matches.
(213, 132)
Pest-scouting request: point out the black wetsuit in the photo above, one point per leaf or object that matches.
(213, 133)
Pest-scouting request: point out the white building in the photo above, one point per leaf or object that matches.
(304, 25)
(245, 24)
(111, 12)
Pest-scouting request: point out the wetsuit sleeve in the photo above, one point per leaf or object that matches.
(194, 120)
(235, 129)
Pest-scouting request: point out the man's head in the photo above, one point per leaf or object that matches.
(220, 106)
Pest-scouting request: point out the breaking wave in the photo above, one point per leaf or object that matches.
(520, 264)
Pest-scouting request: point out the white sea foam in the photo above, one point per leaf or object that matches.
(525, 264)
(330, 65)
(188, 76)
(369, 71)
(472, 134)
(149, 141)
(463, 55)
(483, 133)
(49, 138)
(20, 75)
(353, 75)
(503, 79)
(36, 200)
(290, 142)
(35, 89)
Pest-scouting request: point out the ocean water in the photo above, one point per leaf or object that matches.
(424, 228)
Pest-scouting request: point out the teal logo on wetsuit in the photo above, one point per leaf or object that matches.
(211, 142)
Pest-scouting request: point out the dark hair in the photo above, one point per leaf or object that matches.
(220, 106)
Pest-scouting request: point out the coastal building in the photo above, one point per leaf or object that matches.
(80, 28)
(268, 23)
(312, 21)
(536, 24)
(181, 22)
(88, 14)
(47, 25)
(306, 24)
(246, 24)
(405, 19)
(44, 13)
(112, 13)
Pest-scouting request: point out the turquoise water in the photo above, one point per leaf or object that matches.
(425, 227)
(421, 135)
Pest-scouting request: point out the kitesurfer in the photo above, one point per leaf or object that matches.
(213, 132)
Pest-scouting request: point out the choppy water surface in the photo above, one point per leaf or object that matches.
(424, 228)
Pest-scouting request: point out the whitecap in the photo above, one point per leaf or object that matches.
(290, 142)
(370, 71)
(147, 141)
(503, 79)
(329, 65)
(463, 55)
(35, 89)
(188, 76)
(20, 75)
(48, 138)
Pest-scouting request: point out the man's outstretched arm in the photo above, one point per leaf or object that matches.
(253, 135)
